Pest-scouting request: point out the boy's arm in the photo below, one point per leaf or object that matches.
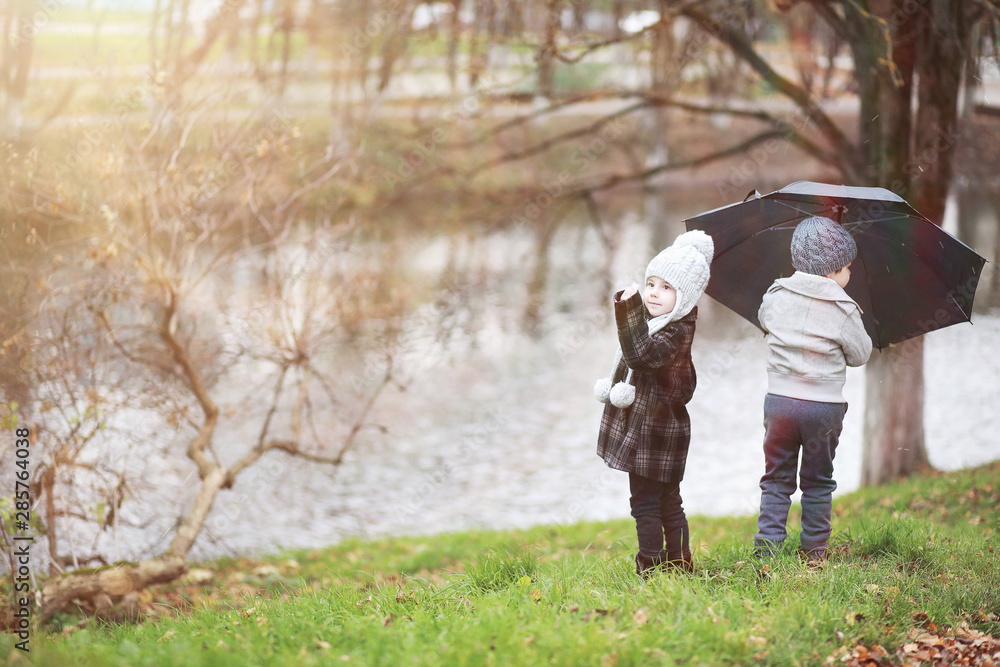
(639, 349)
(856, 342)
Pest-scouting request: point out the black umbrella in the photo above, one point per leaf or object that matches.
(910, 276)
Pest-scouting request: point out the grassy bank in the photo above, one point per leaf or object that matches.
(913, 574)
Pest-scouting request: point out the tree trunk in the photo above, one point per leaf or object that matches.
(893, 444)
(107, 586)
(927, 52)
(287, 22)
(663, 67)
(546, 55)
(17, 64)
(454, 37)
(995, 273)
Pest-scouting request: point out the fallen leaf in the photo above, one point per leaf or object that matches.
(198, 576)
(640, 617)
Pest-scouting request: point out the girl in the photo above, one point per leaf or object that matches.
(645, 429)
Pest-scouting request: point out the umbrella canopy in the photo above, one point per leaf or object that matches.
(910, 276)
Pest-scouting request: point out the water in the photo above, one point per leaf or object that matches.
(495, 425)
(500, 430)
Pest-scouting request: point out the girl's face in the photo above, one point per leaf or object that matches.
(658, 296)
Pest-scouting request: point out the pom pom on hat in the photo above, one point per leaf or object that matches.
(700, 241)
(820, 246)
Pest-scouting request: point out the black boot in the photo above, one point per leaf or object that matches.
(681, 561)
(678, 552)
(813, 557)
(645, 566)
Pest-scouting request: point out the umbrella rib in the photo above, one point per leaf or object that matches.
(858, 223)
(968, 316)
(777, 225)
(794, 208)
(849, 226)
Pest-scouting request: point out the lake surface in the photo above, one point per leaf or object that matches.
(494, 424)
(497, 427)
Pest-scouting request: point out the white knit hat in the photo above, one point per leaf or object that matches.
(685, 265)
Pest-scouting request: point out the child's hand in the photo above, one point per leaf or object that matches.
(632, 289)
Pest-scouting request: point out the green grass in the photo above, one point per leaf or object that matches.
(918, 553)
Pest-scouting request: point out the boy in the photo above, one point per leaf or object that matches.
(645, 429)
(814, 331)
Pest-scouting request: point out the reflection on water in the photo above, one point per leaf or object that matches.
(495, 423)
(497, 426)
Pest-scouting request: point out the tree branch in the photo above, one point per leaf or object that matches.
(549, 143)
(794, 135)
(619, 179)
(843, 149)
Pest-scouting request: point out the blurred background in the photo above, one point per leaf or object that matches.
(279, 272)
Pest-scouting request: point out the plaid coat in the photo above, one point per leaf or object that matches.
(651, 437)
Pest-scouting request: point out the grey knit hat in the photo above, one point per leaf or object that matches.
(820, 246)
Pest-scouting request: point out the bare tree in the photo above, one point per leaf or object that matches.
(137, 333)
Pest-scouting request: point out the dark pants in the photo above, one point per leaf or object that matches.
(814, 428)
(659, 517)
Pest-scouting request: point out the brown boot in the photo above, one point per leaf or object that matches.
(813, 557)
(646, 566)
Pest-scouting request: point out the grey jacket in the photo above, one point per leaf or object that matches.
(814, 331)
